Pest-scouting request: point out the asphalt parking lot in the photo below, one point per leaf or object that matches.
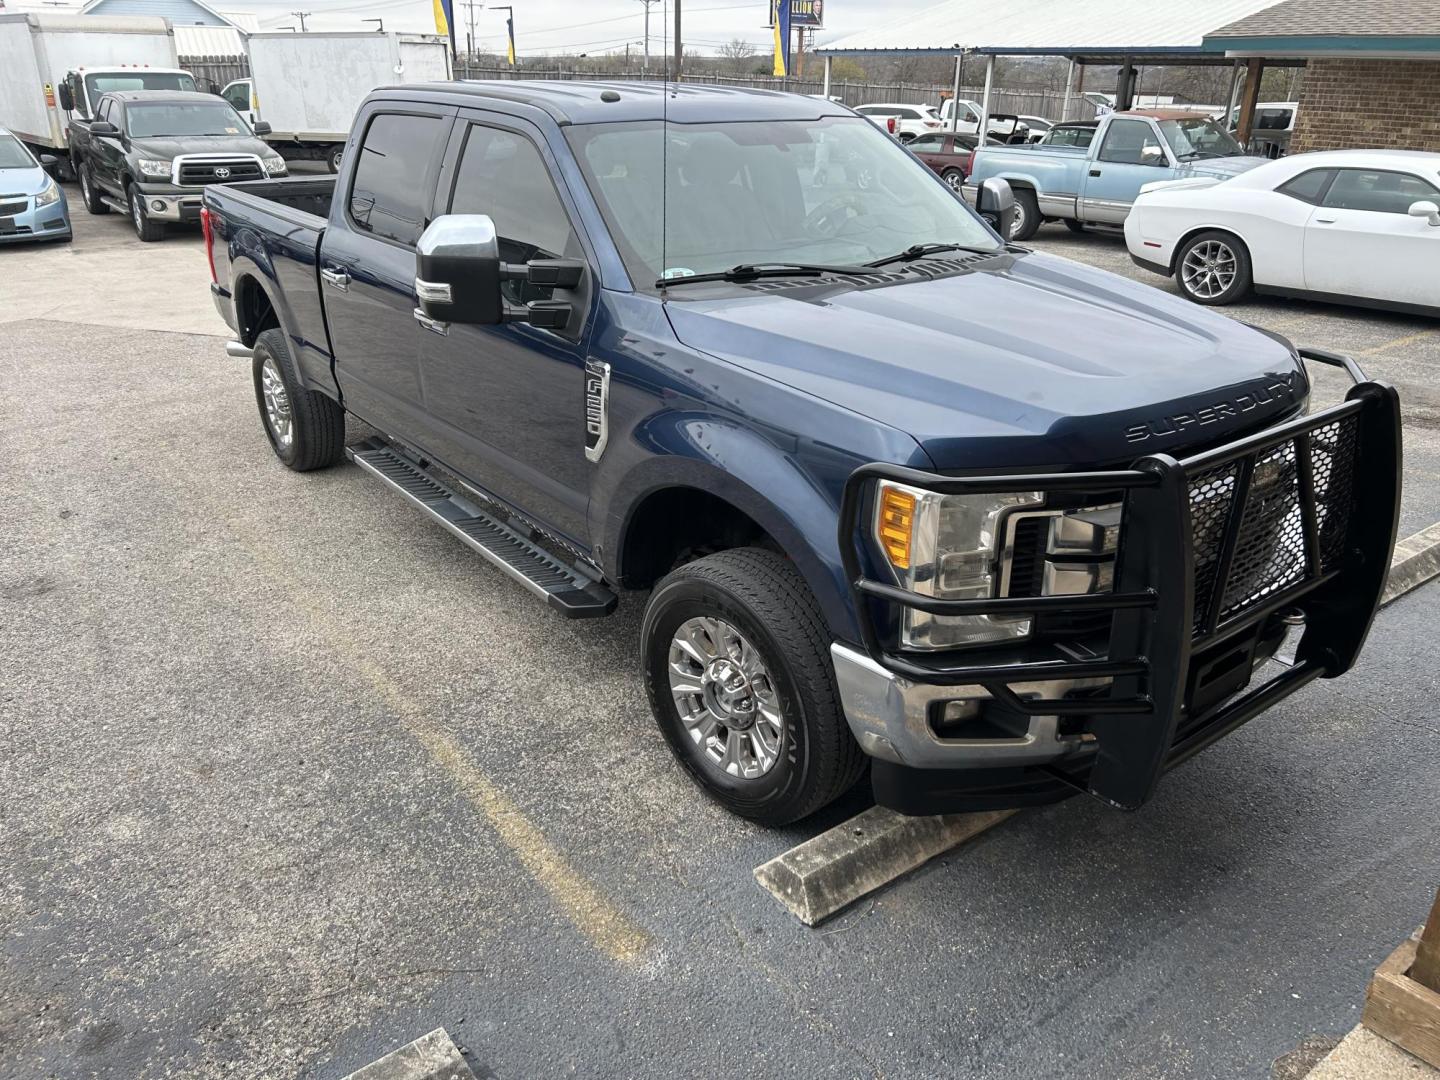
(291, 779)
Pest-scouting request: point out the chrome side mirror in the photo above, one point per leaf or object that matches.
(1426, 209)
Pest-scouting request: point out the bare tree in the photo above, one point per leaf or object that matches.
(737, 54)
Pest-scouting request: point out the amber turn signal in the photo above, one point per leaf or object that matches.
(893, 523)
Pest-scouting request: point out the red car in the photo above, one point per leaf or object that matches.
(948, 154)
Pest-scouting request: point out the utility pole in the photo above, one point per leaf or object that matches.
(470, 39)
(645, 67)
(301, 16)
(679, 43)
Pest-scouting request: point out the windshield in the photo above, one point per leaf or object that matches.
(184, 118)
(95, 85)
(834, 191)
(1199, 137)
(12, 154)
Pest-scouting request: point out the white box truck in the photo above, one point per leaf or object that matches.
(49, 62)
(307, 87)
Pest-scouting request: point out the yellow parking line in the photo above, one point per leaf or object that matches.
(1387, 345)
(604, 924)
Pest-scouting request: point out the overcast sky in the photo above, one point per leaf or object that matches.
(594, 26)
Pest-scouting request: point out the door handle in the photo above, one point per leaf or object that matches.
(1324, 221)
(1094, 172)
(339, 278)
(435, 326)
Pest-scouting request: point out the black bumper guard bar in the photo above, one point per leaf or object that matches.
(1158, 622)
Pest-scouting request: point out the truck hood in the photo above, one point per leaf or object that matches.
(1027, 360)
(1221, 168)
(169, 147)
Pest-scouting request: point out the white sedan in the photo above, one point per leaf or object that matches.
(1346, 226)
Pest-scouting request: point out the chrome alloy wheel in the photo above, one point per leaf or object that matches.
(85, 185)
(725, 697)
(1209, 269)
(277, 402)
(1017, 220)
(954, 178)
(137, 211)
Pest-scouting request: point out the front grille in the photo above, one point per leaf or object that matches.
(199, 173)
(10, 209)
(1269, 551)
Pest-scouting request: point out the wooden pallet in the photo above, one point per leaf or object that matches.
(1403, 1001)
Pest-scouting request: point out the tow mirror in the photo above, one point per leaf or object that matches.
(995, 202)
(103, 128)
(67, 99)
(261, 127)
(1426, 209)
(458, 274)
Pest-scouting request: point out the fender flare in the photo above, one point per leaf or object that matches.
(756, 477)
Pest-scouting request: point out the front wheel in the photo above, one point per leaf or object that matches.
(1213, 268)
(333, 159)
(1027, 216)
(737, 668)
(955, 178)
(148, 231)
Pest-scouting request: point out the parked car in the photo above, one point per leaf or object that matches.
(1038, 126)
(1348, 226)
(1074, 133)
(1007, 126)
(150, 154)
(903, 121)
(613, 338)
(1271, 129)
(32, 204)
(1097, 184)
(947, 154)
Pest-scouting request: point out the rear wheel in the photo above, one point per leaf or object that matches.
(1213, 268)
(148, 231)
(306, 429)
(954, 178)
(88, 194)
(332, 159)
(1027, 215)
(737, 668)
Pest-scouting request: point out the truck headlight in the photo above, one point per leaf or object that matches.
(153, 168)
(50, 193)
(947, 546)
(274, 165)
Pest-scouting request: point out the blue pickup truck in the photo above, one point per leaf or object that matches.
(741, 352)
(1096, 183)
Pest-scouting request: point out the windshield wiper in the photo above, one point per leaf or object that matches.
(919, 251)
(750, 271)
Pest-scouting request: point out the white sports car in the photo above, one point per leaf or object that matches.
(1347, 226)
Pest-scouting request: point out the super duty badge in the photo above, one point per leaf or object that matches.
(597, 408)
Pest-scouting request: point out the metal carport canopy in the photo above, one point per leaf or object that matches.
(1092, 31)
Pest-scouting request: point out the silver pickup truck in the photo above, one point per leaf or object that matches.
(1096, 184)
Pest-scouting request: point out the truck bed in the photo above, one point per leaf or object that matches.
(307, 199)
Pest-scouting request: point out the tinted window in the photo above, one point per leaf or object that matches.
(931, 144)
(908, 114)
(1128, 141)
(503, 175)
(12, 154)
(238, 95)
(1069, 136)
(184, 118)
(1307, 186)
(388, 197)
(1272, 119)
(1381, 192)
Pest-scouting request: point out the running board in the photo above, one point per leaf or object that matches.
(115, 204)
(565, 588)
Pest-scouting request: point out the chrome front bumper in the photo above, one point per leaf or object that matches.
(174, 207)
(890, 717)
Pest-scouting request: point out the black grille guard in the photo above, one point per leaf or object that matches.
(1210, 546)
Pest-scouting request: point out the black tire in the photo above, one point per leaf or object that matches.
(761, 595)
(148, 231)
(317, 423)
(332, 159)
(1073, 225)
(954, 178)
(89, 194)
(1027, 216)
(1220, 252)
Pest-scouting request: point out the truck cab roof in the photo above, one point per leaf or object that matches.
(596, 102)
(179, 96)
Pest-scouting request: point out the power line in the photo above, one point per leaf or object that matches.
(301, 16)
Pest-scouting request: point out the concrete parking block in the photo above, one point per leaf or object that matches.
(821, 876)
(430, 1057)
(1416, 561)
(1363, 1055)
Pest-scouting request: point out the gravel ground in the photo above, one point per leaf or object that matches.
(291, 778)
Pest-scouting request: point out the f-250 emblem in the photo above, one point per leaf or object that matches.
(1279, 390)
(597, 408)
